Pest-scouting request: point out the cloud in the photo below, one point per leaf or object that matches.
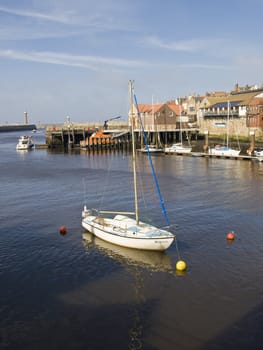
(86, 15)
(89, 62)
(182, 45)
(66, 18)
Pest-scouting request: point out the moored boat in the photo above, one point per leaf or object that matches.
(178, 148)
(120, 228)
(152, 149)
(24, 143)
(223, 151)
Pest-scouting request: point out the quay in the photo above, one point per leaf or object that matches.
(116, 135)
(118, 138)
(89, 136)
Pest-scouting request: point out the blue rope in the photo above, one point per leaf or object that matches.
(152, 166)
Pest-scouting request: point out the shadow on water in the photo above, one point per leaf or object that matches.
(242, 335)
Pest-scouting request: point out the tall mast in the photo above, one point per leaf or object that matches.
(227, 127)
(181, 132)
(132, 121)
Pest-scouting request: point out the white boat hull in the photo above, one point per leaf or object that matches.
(224, 151)
(142, 236)
(152, 150)
(178, 148)
(23, 147)
(258, 153)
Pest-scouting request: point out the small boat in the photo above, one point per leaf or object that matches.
(258, 152)
(152, 149)
(223, 151)
(178, 148)
(24, 143)
(122, 229)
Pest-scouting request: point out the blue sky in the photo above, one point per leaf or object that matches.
(62, 58)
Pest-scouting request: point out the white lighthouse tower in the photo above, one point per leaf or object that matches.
(25, 118)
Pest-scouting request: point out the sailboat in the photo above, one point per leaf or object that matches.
(225, 150)
(153, 148)
(179, 148)
(125, 228)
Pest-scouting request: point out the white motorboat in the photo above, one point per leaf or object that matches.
(122, 229)
(24, 143)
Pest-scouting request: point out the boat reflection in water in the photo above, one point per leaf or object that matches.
(134, 261)
(157, 261)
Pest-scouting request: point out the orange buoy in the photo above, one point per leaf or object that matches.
(230, 236)
(63, 230)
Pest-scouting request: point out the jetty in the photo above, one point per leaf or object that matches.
(88, 136)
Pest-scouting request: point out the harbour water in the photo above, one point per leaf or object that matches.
(64, 292)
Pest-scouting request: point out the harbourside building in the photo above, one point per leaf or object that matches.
(241, 111)
(164, 121)
(238, 113)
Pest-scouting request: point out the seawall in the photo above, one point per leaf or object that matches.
(17, 127)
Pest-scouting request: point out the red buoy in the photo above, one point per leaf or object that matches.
(230, 236)
(63, 230)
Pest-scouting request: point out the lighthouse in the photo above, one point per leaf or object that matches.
(25, 118)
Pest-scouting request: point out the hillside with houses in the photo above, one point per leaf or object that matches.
(240, 110)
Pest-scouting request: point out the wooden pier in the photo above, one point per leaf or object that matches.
(87, 137)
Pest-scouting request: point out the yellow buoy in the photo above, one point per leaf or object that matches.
(180, 265)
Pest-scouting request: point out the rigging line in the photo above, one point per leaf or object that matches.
(152, 167)
(141, 186)
(84, 191)
(105, 183)
(238, 143)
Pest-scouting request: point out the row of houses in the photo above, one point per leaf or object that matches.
(241, 111)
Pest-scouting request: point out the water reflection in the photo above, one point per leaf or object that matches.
(154, 261)
(134, 262)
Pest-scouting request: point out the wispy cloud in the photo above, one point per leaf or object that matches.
(89, 62)
(182, 45)
(87, 16)
(66, 17)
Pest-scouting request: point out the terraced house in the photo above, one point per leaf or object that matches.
(241, 111)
